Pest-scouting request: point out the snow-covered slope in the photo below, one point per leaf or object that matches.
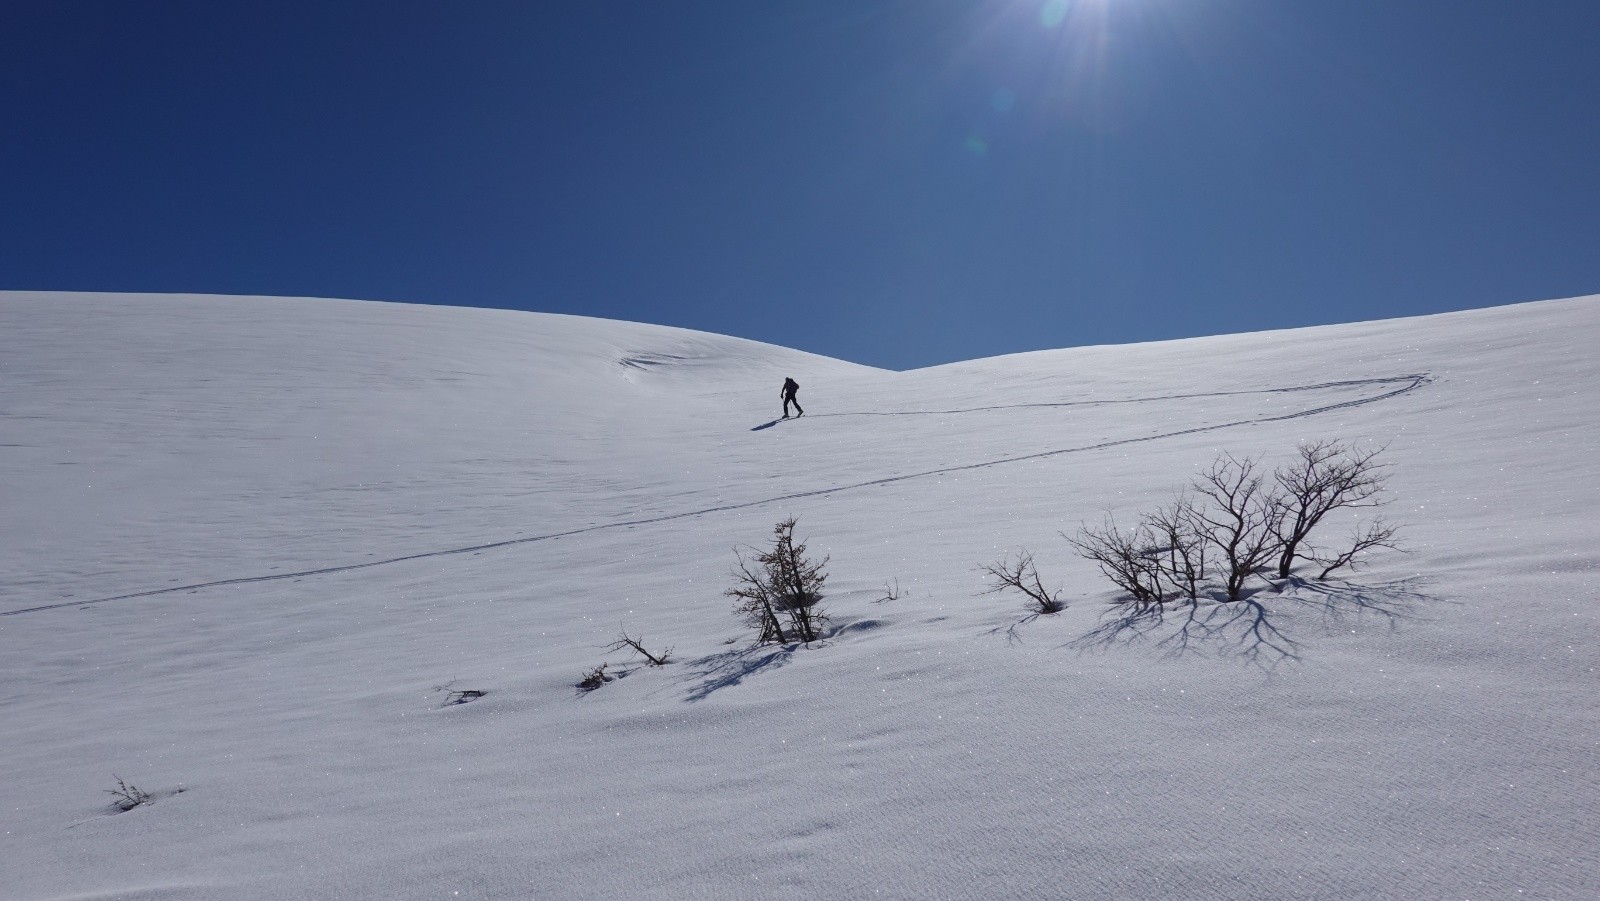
(245, 539)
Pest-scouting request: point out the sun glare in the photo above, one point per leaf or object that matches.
(1040, 64)
(1053, 13)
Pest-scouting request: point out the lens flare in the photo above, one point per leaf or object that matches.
(1053, 13)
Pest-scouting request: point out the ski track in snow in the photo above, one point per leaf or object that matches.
(1406, 383)
(1422, 378)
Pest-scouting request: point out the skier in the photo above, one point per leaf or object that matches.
(790, 387)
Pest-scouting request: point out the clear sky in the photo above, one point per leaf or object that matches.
(894, 182)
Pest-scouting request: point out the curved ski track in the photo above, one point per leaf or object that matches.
(1406, 383)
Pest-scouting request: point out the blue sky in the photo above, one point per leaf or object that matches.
(894, 182)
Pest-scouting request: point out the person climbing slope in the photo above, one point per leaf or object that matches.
(790, 388)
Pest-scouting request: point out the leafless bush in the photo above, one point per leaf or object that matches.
(1374, 534)
(891, 592)
(1017, 572)
(1235, 523)
(754, 599)
(594, 678)
(1327, 476)
(780, 582)
(1180, 545)
(1131, 559)
(1240, 521)
(127, 796)
(637, 646)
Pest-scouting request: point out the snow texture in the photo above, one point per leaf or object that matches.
(252, 545)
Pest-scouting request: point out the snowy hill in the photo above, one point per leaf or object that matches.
(246, 540)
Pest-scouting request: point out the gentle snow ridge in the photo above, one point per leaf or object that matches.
(249, 540)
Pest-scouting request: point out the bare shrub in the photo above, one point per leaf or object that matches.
(1374, 534)
(127, 796)
(1328, 475)
(637, 646)
(1240, 521)
(781, 582)
(891, 592)
(1017, 572)
(1180, 545)
(754, 599)
(594, 678)
(1131, 559)
(1235, 523)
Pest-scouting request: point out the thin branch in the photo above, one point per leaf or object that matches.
(1375, 534)
(637, 646)
(1019, 574)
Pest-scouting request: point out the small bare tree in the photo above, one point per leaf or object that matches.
(1017, 572)
(1240, 521)
(800, 583)
(754, 598)
(637, 646)
(1327, 476)
(1374, 534)
(1181, 545)
(1130, 559)
(781, 581)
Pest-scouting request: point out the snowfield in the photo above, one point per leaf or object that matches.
(249, 545)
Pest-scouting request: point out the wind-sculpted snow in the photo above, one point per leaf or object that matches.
(337, 516)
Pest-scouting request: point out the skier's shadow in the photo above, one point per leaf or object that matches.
(766, 425)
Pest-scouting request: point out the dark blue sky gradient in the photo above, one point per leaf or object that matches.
(895, 182)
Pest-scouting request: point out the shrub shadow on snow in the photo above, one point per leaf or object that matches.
(1012, 630)
(1345, 603)
(860, 625)
(1245, 628)
(728, 669)
(1255, 628)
